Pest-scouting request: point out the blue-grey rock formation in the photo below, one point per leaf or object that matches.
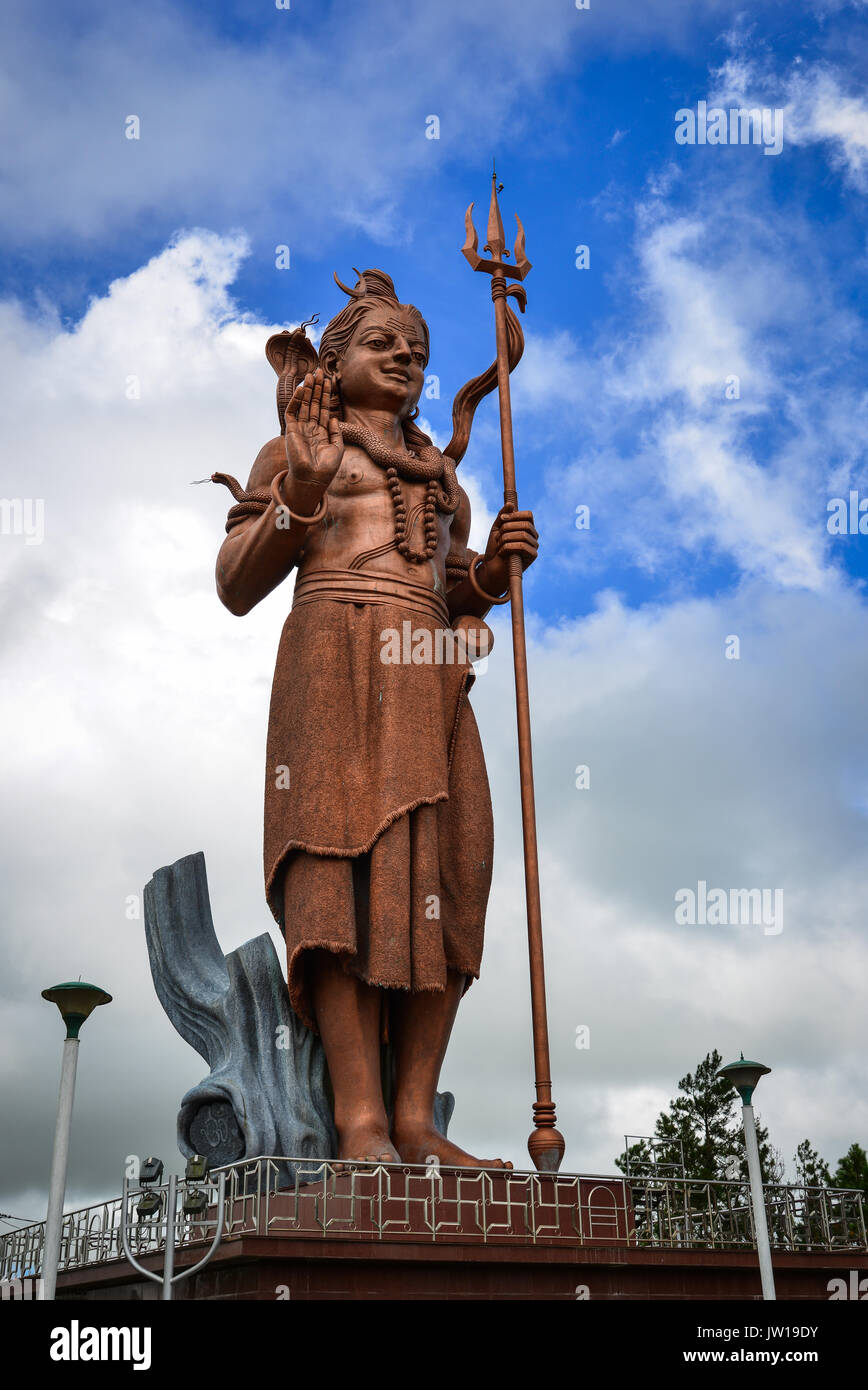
(268, 1091)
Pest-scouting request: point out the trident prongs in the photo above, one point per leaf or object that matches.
(470, 247)
(496, 243)
(522, 264)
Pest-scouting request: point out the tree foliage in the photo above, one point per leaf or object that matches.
(852, 1170)
(704, 1121)
(811, 1169)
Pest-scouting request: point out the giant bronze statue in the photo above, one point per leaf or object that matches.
(378, 834)
(378, 820)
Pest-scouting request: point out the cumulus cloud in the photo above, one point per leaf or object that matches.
(818, 107)
(279, 122)
(139, 709)
(712, 426)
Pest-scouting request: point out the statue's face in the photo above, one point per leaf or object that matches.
(384, 366)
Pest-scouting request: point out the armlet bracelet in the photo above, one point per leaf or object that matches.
(477, 587)
(278, 499)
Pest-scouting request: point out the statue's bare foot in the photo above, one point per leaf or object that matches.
(366, 1143)
(418, 1143)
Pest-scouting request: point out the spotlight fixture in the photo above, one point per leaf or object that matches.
(151, 1171)
(195, 1202)
(149, 1205)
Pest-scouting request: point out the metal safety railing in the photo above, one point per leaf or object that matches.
(693, 1214)
(318, 1199)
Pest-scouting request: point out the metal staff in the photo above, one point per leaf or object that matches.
(545, 1145)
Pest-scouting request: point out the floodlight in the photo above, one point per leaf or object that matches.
(151, 1171)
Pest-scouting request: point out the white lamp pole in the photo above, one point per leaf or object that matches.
(76, 1002)
(744, 1077)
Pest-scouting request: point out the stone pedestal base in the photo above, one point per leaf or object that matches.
(254, 1268)
(456, 1234)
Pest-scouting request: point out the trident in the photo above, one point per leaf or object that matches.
(546, 1144)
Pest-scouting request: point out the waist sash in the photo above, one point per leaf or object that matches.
(354, 586)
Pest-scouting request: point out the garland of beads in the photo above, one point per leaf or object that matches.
(429, 516)
(423, 464)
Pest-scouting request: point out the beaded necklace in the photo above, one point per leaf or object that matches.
(429, 515)
(428, 463)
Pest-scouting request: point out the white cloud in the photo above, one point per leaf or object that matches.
(817, 107)
(819, 110)
(297, 129)
(709, 423)
(297, 134)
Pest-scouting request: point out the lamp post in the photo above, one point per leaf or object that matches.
(744, 1077)
(76, 1000)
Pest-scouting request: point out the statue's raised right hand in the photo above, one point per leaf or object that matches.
(314, 444)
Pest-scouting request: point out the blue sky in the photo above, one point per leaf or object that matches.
(242, 129)
(155, 258)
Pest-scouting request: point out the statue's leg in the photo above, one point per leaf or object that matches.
(422, 1024)
(348, 1017)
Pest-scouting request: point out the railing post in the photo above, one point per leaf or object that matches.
(824, 1216)
(791, 1230)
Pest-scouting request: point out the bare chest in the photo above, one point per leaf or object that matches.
(367, 516)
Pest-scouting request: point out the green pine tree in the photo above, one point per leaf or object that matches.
(704, 1121)
(701, 1117)
(772, 1164)
(811, 1169)
(852, 1170)
(635, 1159)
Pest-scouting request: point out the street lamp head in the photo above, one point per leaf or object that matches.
(76, 1000)
(744, 1076)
